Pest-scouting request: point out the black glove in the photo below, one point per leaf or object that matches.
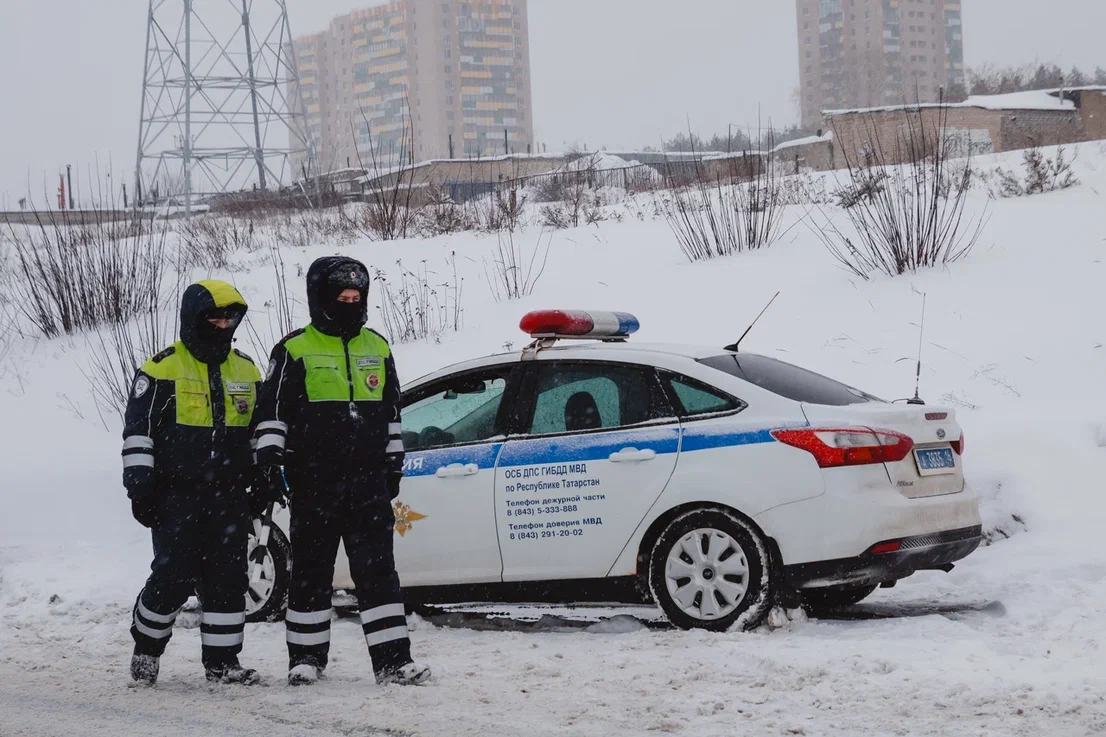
(268, 489)
(393, 484)
(145, 510)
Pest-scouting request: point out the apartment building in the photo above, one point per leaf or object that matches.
(419, 79)
(871, 53)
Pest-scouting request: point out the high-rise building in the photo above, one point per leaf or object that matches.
(871, 53)
(419, 79)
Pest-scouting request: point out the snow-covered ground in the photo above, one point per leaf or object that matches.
(1012, 642)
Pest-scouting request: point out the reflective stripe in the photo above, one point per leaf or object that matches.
(138, 459)
(222, 640)
(395, 446)
(154, 617)
(263, 537)
(389, 635)
(308, 638)
(224, 618)
(382, 612)
(272, 425)
(138, 441)
(307, 617)
(395, 428)
(271, 440)
(151, 632)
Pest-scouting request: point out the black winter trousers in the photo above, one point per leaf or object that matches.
(358, 511)
(200, 545)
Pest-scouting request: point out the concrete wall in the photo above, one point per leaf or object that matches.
(438, 174)
(69, 217)
(1093, 110)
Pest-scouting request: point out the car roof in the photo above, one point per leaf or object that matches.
(645, 353)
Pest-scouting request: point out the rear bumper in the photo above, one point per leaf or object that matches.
(919, 553)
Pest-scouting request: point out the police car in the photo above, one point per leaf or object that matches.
(712, 482)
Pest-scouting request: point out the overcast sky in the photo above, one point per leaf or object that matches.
(617, 73)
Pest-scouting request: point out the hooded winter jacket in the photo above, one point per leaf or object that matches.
(188, 418)
(331, 399)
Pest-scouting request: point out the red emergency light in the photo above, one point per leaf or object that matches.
(579, 324)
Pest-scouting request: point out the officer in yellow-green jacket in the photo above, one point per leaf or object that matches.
(329, 413)
(187, 462)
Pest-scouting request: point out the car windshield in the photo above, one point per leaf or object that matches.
(787, 380)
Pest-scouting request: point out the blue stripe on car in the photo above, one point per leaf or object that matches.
(427, 462)
(581, 448)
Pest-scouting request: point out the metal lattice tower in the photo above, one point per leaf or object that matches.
(221, 109)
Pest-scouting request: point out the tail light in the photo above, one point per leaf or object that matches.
(855, 446)
(958, 445)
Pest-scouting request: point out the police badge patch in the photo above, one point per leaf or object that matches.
(242, 405)
(141, 386)
(372, 381)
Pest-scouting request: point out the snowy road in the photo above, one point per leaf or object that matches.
(1003, 646)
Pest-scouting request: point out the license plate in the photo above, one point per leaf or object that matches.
(935, 461)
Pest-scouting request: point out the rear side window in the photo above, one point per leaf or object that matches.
(696, 398)
(787, 380)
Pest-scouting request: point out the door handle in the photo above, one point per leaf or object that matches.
(633, 455)
(457, 470)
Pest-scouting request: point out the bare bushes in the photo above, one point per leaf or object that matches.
(906, 204)
(117, 351)
(713, 217)
(1040, 174)
(515, 268)
(210, 242)
(421, 304)
(68, 278)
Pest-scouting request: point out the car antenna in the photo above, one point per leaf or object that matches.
(736, 346)
(918, 374)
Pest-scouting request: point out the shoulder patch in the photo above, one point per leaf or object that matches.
(240, 354)
(293, 334)
(164, 354)
(377, 334)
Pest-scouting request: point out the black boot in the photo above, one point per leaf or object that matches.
(232, 673)
(144, 669)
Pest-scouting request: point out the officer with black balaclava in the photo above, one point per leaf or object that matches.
(329, 413)
(187, 462)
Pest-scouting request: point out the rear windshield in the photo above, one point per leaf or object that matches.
(787, 380)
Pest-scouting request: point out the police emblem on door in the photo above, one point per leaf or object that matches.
(405, 518)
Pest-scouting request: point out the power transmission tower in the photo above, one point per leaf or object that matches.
(221, 108)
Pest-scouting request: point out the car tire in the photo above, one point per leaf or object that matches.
(267, 600)
(711, 553)
(835, 597)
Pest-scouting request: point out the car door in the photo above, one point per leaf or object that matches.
(453, 431)
(597, 445)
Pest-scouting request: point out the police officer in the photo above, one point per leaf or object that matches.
(187, 462)
(330, 414)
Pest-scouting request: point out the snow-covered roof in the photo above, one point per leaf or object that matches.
(1032, 100)
(824, 138)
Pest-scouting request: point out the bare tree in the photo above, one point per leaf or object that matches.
(515, 270)
(913, 218)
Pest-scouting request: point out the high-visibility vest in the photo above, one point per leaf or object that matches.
(336, 371)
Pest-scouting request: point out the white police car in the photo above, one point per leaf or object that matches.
(712, 482)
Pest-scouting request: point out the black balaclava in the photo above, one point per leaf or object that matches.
(203, 340)
(327, 278)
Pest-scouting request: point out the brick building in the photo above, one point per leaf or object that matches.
(411, 80)
(980, 125)
(869, 53)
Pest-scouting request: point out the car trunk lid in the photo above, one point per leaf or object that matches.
(932, 468)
